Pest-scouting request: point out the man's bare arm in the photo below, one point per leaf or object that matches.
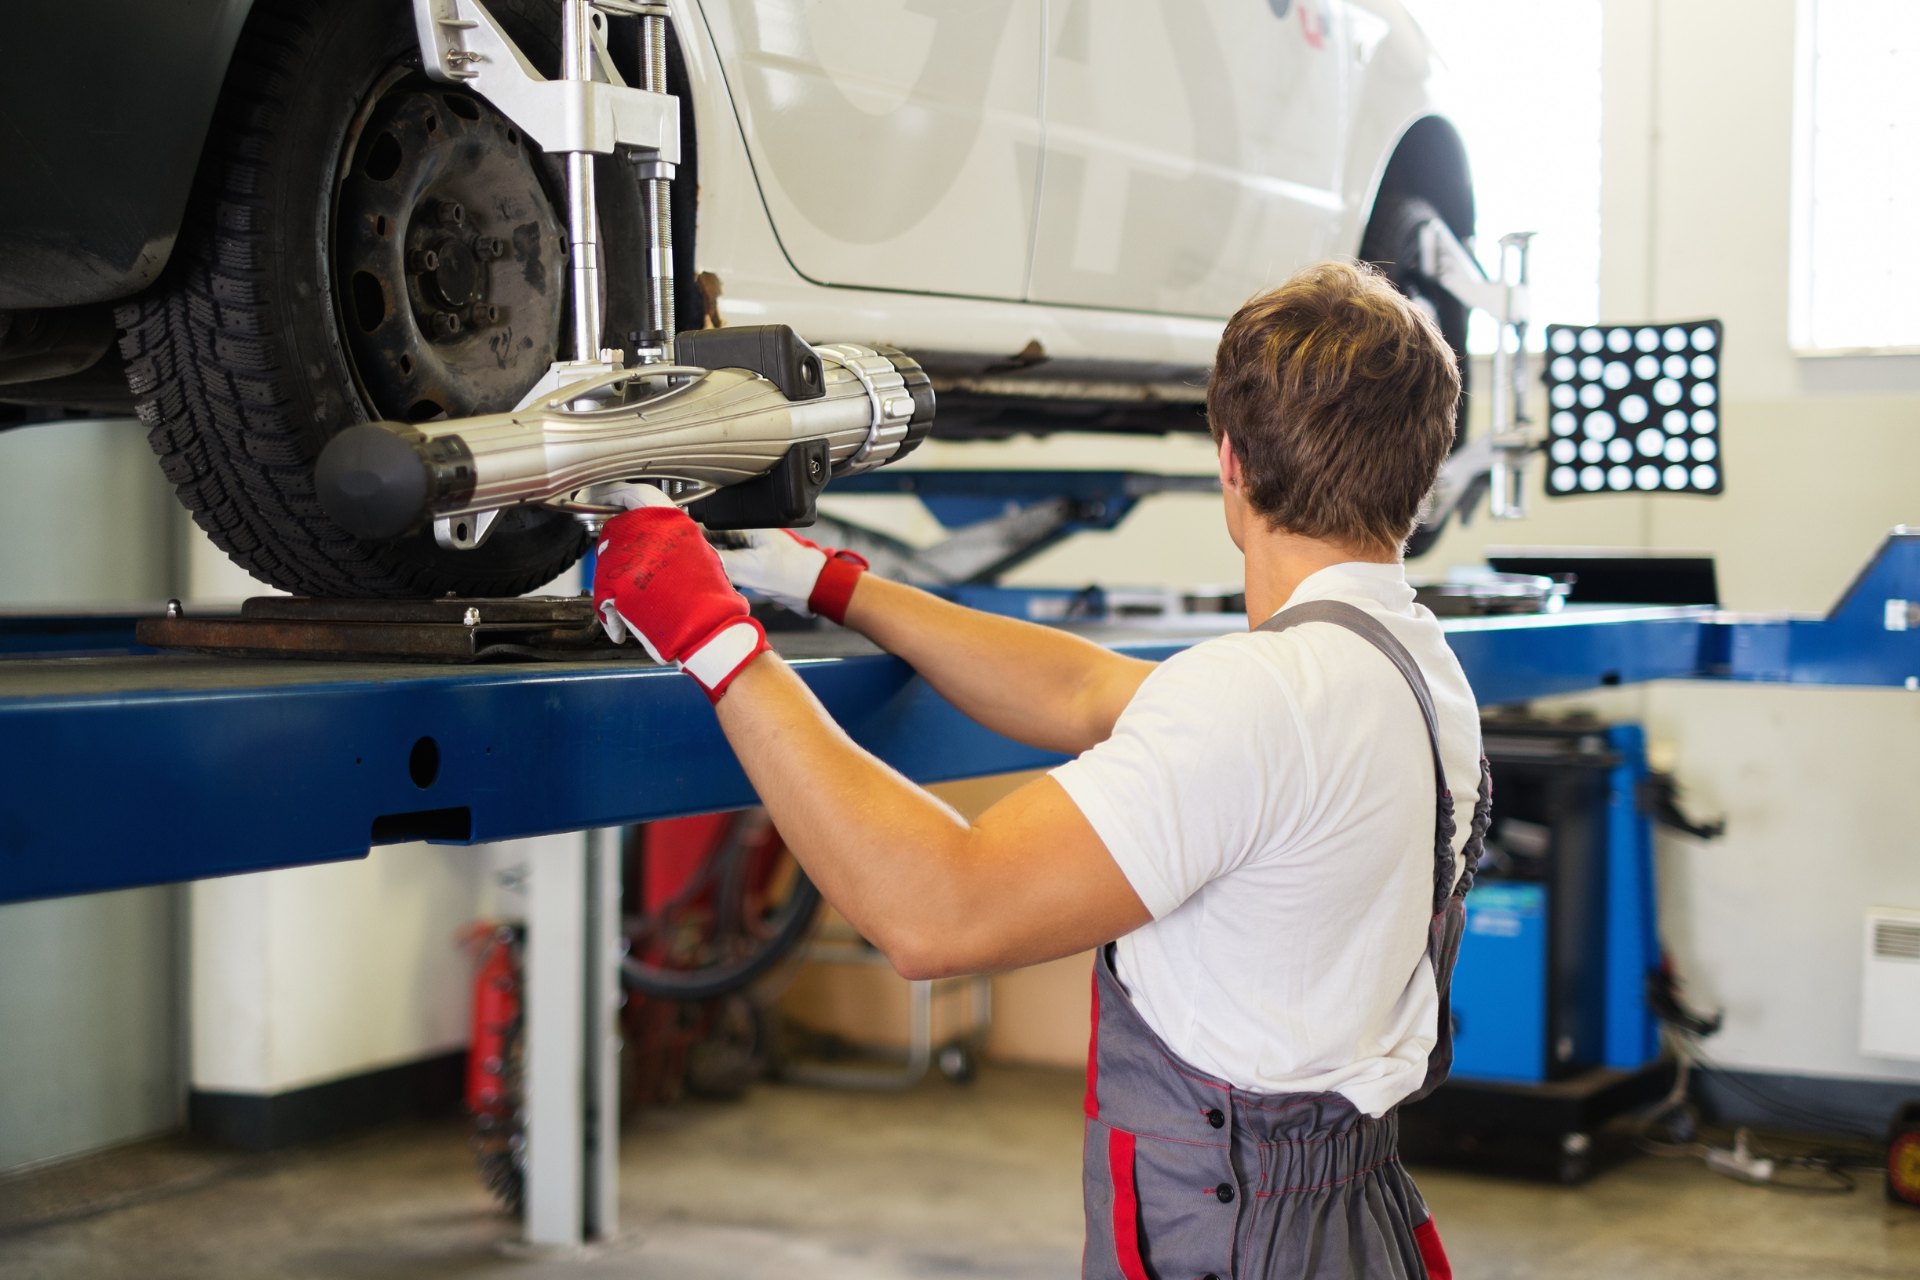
(1034, 684)
(1029, 881)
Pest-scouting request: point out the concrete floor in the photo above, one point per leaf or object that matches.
(803, 1185)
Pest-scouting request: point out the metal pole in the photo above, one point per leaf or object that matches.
(655, 343)
(605, 945)
(555, 1003)
(576, 51)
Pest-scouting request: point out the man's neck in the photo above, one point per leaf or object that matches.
(1278, 562)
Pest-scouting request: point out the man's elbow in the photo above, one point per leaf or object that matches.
(922, 958)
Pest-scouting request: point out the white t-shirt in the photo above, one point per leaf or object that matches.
(1270, 798)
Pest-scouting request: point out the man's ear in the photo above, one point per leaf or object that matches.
(1229, 464)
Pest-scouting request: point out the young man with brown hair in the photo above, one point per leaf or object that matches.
(1257, 834)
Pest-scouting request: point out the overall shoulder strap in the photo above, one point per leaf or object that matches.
(1374, 632)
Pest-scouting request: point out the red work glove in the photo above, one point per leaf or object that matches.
(657, 577)
(794, 571)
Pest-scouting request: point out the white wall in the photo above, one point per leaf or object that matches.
(85, 515)
(89, 1014)
(315, 973)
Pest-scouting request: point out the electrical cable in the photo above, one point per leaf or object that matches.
(1828, 1166)
(1791, 1112)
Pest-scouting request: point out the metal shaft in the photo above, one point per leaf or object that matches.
(659, 205)
(656, 202)
(576, 51)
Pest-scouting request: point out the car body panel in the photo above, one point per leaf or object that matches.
(895, 144)
(1398, 82)
(1193, 148)
(105, 108)
(738, 242)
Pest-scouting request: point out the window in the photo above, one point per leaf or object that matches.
(1523, 84)
(1856, 188)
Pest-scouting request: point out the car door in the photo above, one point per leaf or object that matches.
(1193, 150)
(896, 142)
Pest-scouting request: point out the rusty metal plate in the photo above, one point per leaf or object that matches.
(540, 628)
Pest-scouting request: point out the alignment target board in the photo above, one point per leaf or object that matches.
(1634, 408)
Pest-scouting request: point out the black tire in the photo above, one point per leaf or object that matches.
(786, 930)
(1392, 243)
(237, 355)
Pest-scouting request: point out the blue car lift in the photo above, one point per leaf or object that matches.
(125, 767)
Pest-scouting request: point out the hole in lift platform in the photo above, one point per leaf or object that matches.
(447, 825)
(423, 763)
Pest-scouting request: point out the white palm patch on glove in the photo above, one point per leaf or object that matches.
(618, 628)
(629, 496)
(776, 566)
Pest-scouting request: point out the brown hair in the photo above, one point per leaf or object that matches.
(1338, 394)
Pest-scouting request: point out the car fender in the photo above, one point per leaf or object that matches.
(1399, 105)
(107, 107)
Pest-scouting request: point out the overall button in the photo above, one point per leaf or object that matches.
(1216, 1117)
(1225, 1192)
(1210, 1276)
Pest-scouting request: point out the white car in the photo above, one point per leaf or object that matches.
(1050, 205)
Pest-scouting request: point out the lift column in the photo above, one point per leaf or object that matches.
(573, 999)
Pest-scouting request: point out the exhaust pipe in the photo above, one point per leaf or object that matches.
(753, 423)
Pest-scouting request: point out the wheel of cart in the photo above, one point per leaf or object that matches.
(887, 1067)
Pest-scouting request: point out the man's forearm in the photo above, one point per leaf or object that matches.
(1034, 684)
(1029, 881)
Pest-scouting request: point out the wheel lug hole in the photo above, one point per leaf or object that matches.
(424, 260)
(445, 324)
(451, 213)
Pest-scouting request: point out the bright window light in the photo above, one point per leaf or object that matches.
(1856, 250)
(1523, 86)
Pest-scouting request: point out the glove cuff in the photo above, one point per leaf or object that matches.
(715, 661)
(833, 589)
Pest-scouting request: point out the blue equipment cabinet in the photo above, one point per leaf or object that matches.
(1552, 1032)
(1500, 985)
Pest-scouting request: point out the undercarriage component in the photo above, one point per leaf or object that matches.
(702, 428)
(998, 519)
(53, 342)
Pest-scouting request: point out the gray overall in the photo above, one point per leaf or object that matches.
(1189, 1178)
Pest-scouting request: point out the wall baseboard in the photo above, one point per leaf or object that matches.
(1814, 1104)
(272, 1121)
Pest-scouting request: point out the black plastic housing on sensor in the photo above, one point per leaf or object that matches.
(781, 499)
(774, 351)
(380, 480)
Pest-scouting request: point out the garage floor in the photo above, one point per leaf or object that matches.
(804, 1185)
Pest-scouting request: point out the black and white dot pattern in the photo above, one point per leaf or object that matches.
(1634, 408)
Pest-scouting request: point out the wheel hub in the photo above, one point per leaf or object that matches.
(449, 258)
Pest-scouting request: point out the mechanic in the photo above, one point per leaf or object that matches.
(1258, 834)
